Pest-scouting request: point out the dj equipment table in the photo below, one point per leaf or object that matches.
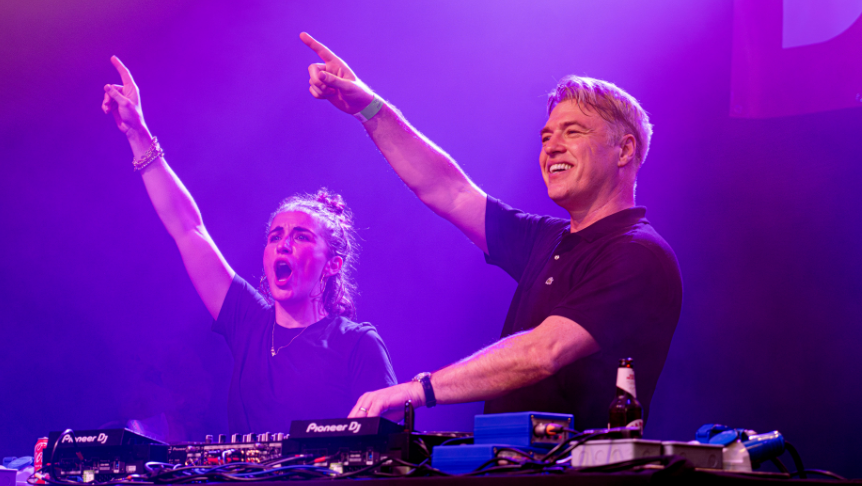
(681, 476)
(376, 450)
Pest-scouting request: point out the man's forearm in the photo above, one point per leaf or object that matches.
(426, 169)
(514, 362)
(430, 173)
(511, 363)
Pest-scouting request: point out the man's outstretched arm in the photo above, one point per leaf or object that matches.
(426, 169)
(511, 363)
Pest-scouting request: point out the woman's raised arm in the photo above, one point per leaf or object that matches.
(208, 269)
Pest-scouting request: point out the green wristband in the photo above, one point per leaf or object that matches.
(369, 111)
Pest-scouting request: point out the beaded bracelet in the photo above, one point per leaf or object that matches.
(155, 152)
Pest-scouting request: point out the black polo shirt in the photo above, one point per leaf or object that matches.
(617, 278)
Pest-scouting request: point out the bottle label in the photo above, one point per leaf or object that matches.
(38, 459)
(636, 424)
(626, 380)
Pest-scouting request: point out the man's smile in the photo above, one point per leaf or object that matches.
(559, 167)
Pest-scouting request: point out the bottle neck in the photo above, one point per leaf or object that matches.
(626, 381)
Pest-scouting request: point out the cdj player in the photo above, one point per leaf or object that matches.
(101, 455)
(346, 445)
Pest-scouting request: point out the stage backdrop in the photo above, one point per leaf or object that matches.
(100, 325)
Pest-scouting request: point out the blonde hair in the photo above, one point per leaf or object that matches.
(620, 109)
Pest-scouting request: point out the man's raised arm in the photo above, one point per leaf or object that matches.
(426, 169)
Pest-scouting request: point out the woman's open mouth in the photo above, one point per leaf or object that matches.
(282, 271)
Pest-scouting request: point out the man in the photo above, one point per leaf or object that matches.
(599, 286)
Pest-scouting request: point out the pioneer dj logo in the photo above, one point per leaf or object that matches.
(86, 439)
(351, 427)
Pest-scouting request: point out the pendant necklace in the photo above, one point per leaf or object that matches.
(276, 351)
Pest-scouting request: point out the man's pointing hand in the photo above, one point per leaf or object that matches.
(333, 80)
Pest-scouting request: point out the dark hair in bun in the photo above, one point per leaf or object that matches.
(339, 295)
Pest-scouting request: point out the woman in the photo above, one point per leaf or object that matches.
(297, 354)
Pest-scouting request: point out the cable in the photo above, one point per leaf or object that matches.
(149, 465)
(797, 460)
(529, 464)
(457, 440)
(421, 444)
(820, 472)
(426, 466)
(363, 470)
(516, 451)
(554, 450)
(368, 469)
(780, 465)
(52, 464)
(566, 448)
(416, 467)
(484, 469)
(287, 459)
(292, 469)
(307, 471)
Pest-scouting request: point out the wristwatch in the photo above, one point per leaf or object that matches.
(425, 379)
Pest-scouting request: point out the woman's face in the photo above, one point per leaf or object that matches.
(295, 257)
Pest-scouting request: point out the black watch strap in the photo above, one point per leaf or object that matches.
(424, 379)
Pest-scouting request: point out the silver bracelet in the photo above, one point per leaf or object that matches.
(154, 153)
(369, 111)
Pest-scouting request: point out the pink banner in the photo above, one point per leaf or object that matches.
(795, 56)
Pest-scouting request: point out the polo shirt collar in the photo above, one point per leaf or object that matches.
(610, 224)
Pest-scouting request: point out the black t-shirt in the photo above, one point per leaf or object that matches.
(617, 278)
(320, 374)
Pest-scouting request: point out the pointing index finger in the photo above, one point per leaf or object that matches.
(325, 54)
(125, 75)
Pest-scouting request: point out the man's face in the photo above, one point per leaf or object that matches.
(295, 257)
(578, 164)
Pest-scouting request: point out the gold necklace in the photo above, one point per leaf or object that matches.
(276, 351)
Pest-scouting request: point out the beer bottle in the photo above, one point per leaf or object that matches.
(625, 410)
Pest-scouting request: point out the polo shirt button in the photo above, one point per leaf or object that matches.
(549, 281)
(556, 257)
